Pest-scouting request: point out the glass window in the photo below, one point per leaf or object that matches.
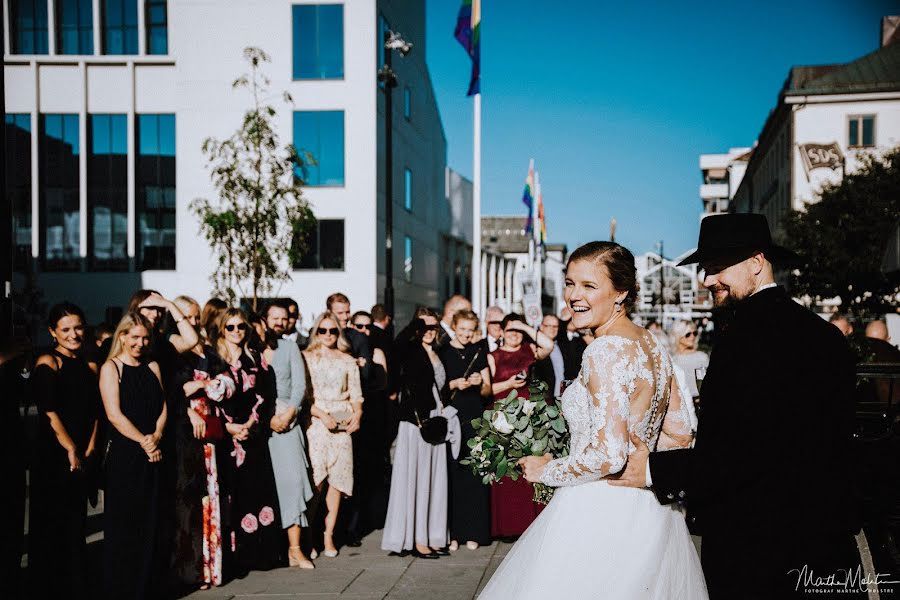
(861, 131)
(325, 246)
(58, 150)
(318, 41)
(407, 259)
(321, 133)
(18, 185)
(74, 27)
(155, 193)
(383, 27)
(156, 20)
(120, 34)
(28, 20)
(407, 103)
(107, 200)
(407, 189)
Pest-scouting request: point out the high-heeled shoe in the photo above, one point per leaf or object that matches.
(326, 551)
(296, 558)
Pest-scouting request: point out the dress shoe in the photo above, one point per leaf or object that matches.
(401, 553)
(354, 543)
(441, 551)
(430, 555)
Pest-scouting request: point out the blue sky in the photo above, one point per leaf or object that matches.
(615, 101)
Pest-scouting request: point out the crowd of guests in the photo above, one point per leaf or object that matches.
(226, 442)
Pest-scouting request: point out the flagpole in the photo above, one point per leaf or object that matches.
(536, 236)
(477, 299)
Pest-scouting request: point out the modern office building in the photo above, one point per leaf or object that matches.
(108, 103)
(825, 117)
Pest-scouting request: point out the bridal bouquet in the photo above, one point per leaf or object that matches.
(514, 428)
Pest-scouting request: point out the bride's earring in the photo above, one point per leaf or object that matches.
(618, 306)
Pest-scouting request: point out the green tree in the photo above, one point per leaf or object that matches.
(256, 226)
(842, 238)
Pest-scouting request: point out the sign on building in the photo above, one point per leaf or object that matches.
(821, 156)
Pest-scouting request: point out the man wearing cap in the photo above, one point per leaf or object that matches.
(769, 480)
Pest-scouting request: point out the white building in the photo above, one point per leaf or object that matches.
(824, 117)
(722, 175)
(668, 292)
(504, 238)
(108, 103)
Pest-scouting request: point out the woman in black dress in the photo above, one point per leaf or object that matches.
(468, 389)
(135, 405)
(253, 533)
(66, 394)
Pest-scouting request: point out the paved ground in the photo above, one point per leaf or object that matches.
(368, 573)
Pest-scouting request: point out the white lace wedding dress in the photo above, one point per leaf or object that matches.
(598, 541)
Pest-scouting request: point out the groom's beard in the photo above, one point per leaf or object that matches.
(728, 301)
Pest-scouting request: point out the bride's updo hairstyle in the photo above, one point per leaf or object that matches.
(619, 263)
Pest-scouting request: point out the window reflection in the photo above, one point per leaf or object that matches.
(58, 150)
(155, 194)
(28, 21)
(318, 38)
(74, 27)
(17, 129)
(156, 18)
(108, 193)
(120, 34)
(325, 246)
(321, 133)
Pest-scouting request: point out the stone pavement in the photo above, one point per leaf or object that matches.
(368, 573)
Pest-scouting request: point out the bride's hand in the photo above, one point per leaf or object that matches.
(533, 466)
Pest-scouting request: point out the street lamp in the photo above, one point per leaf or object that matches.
(392, 41)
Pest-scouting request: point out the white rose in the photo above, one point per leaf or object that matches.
(528, 407)
(499, 423)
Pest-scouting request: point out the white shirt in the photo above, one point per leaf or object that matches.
(493, 343)
(448, 330)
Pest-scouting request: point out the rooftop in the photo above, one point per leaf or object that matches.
(878, 71)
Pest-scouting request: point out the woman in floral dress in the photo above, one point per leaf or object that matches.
(336, 413)
(199, 425)
(256, 541)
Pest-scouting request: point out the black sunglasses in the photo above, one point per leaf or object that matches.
(495, 322)
(690, 334)
(329, 331)
(239, 327)
(362, 326)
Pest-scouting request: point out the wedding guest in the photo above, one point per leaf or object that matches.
(259, 331)
(512, 508)
(65, 392)
(843, 324)
(551, 370)
(468, 389)
(255, 524)
(338, 305)
(571, 343)
(337, 408)
(200, 487)
(164, 350)
(365, 509)
(684, 338)
(494, 319)
(132, 391)
(769, 507)
(453, 305)
(212, 310)
(417, 508)
(287, 445)
(295, 331)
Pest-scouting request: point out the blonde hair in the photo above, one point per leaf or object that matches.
(679, 330)
(225, 316)
(128, 322)
(464, 315)
(314, 342)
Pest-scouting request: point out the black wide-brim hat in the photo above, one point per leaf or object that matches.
(735, 237)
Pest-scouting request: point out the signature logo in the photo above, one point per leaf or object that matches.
(843, 581)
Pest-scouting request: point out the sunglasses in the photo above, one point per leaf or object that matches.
(495, 322)
(362, 326)
(329, 331)
(239, 327)
(690, 334)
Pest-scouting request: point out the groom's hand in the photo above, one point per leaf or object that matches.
(635, 473)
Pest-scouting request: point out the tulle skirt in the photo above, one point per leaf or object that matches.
(598, 541)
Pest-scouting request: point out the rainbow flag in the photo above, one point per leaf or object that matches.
(528, 197)
(468, 33)
(541, 220)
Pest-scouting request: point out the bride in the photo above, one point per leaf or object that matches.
(594, 540)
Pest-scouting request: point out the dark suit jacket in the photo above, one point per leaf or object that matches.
(769, 478)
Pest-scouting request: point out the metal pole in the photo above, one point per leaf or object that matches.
(477, 291)
(390, 81)
(6, 237)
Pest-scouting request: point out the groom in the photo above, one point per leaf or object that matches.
(770, 477)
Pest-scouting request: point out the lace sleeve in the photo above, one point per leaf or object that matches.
(608, 369)
(354, 386)
(678, 425)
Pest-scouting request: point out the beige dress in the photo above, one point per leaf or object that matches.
(335, 382)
